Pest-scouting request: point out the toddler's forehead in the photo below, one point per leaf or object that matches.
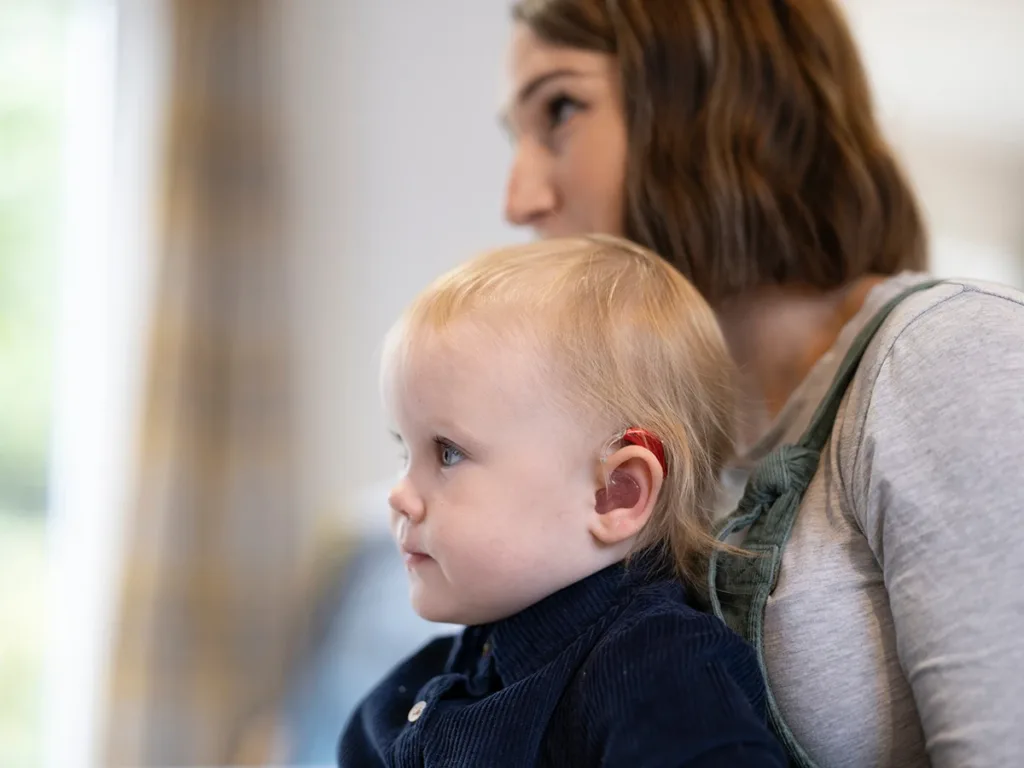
(477, 366)
(476, 356)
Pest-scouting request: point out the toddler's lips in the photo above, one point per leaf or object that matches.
(413, 557)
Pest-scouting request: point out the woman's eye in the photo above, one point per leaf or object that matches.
(448, 454)
(560, 109)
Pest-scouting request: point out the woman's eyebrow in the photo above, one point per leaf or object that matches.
(532, 86)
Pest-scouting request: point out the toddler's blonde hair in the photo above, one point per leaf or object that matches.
(629, 339)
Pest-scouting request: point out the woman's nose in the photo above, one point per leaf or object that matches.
(404, 500)
(530, 197)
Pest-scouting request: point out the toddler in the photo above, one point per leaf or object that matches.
(565, 409)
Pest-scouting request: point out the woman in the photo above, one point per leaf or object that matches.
(738, 140)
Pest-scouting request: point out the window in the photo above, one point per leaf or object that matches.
(32, 41)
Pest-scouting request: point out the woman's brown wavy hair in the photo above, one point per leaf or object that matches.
(754, 154)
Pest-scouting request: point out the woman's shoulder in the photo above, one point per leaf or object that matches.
(937, 343)
(945, 312)
(936, 397)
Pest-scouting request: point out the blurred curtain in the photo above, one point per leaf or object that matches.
(215, 545)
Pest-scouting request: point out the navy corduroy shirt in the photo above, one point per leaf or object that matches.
(614, 670)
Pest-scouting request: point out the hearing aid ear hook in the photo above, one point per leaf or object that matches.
(643, 438)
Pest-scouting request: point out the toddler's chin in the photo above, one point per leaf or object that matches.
(447, 613)
(433, 609)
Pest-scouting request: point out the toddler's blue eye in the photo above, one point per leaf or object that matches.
(448, 454)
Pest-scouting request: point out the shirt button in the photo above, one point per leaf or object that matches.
(416, 711)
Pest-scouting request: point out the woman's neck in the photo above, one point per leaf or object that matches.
(776, 334)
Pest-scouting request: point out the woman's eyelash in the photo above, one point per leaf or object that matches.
(560, 107)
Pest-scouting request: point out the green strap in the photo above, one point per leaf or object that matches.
(740, 586)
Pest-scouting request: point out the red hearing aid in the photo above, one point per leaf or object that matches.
(643, 438)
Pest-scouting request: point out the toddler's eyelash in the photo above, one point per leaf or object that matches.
(443, 444)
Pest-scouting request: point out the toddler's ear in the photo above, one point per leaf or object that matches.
(625, 503)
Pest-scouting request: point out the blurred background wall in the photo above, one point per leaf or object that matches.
(397, 170)
(382, 162)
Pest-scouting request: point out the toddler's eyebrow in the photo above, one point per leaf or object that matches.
(397, 437)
